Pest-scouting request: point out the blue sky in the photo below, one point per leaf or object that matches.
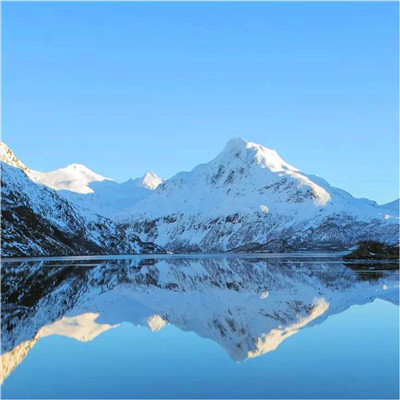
(129, 87)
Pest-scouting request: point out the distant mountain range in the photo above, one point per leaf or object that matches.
(246, 199)
(39, 221)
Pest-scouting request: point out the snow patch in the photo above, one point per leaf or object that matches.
(155, 323)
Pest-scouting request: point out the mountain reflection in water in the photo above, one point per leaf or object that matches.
(248, 306)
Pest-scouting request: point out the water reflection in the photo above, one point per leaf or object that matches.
(248, 306)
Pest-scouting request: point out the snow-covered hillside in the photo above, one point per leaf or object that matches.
(248, 306)
(149, 180)
(37, 221)
(246, 199)
(75, 178)
(249, 198)
(89, 191)
(108, 198)
(8, 157)
(392, 207)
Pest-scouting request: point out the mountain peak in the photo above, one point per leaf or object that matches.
(151, 180)
(236, 143)
(77, 167)
(263, 156)
(76, 171)
(7, 156)
(74, 178)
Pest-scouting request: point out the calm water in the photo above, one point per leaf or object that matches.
(275, 327)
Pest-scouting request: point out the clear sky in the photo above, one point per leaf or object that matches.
(129, 87)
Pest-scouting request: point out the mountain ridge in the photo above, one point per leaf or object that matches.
(246, 199)
(36, 221)
(249, 199)
(74, 177)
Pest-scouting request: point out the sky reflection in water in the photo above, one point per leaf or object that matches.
(205, 328)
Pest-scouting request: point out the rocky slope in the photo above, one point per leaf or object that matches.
(249, 199)
(37, 221)
(372, 251)
(246, 199)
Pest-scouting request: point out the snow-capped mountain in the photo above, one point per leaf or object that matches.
(149, 180)
(36, 220)
(246, 199)
(8, 157)
(249, 198)
(247, 306)
(75, 178)
(90, 192)
(108, 198)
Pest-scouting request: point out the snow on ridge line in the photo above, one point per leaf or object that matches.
(7, 156)
(264, 155)
(150, 180)
(250, 166)
(74, 177)
(244, 176)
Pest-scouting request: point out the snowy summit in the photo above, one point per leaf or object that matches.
(75, 178)
(246, 199)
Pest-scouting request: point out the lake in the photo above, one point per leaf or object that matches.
(276, 326)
